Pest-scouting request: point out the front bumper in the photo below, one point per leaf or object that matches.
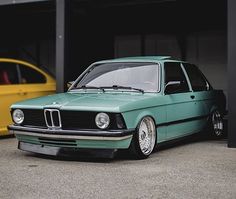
(93, 139)
(72, 134)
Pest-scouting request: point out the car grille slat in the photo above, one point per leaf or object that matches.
(78, 119)
(48, 118)
(55, 117)
(34, 118)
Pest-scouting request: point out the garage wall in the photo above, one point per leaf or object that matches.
(41, 54)
(127, 45)
(208, 50)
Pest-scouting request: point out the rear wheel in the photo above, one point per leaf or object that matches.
(144, 139)
(216, 125)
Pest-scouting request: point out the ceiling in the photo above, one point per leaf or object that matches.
(35, 21)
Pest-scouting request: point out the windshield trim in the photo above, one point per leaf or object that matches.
(94, 64)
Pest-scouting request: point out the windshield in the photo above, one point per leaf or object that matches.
(143, 76)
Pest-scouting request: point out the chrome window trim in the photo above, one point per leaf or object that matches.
(187, 77)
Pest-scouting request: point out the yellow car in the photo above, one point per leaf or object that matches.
(20, 80)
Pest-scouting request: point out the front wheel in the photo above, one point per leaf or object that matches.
(144, 139)
(216, 125)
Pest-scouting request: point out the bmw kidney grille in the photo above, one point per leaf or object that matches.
(52, 118)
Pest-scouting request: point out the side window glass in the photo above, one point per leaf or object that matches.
(8, 73)
(197, 79)
(31, 76)
(175, 80)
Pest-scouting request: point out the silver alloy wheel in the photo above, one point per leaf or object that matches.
(217, 123)
(147, 135)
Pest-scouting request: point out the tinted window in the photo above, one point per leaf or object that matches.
(8, 73)
(174, 73)
(197, 79)
(29, 75)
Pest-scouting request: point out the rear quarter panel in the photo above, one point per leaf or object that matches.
(214, 100)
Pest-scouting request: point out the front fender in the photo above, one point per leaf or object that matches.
(132, 118)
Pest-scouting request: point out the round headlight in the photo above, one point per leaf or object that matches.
(102, 120)
(18, 116)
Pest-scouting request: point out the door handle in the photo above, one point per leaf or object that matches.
(22, 93)
(192, 96)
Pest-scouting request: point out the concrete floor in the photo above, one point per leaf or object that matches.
(195, 168)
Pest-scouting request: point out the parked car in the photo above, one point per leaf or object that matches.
(20, 80)
(127, 103)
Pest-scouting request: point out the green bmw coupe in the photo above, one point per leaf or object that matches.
(131, 103)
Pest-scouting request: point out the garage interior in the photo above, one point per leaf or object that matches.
(64, 36)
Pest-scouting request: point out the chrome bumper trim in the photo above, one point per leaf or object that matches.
(76, 137)
(77, 132)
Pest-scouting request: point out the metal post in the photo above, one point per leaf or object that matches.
(60, 43)
(231, 73)
(9, 2)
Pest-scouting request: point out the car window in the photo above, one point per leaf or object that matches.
(138, 75)
(8, 73)
(197, 79)
(174, 73)
(31, 76)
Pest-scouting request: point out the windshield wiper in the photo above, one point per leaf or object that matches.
(90, 87)
(123, 87)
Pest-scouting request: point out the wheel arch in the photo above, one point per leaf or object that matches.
(142, 115)
(132, 118)
(213, 108)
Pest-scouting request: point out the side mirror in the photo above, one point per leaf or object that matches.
(69, 84)
(172, 87)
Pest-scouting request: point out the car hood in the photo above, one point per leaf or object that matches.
(86, 101)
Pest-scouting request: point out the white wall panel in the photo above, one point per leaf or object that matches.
(162, 45)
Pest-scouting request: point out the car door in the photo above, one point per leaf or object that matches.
(203, 92)
(182, 111)
(10, 92)
(34, 83)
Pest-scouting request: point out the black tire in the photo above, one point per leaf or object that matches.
(216, 125)
(141, 137)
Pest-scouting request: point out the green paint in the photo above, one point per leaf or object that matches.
(133, 106)
(99, 144)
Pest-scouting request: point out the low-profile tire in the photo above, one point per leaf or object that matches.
(216, 125)
(144, 139)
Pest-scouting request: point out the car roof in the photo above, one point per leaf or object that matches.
(145, 58)
(154, 59)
